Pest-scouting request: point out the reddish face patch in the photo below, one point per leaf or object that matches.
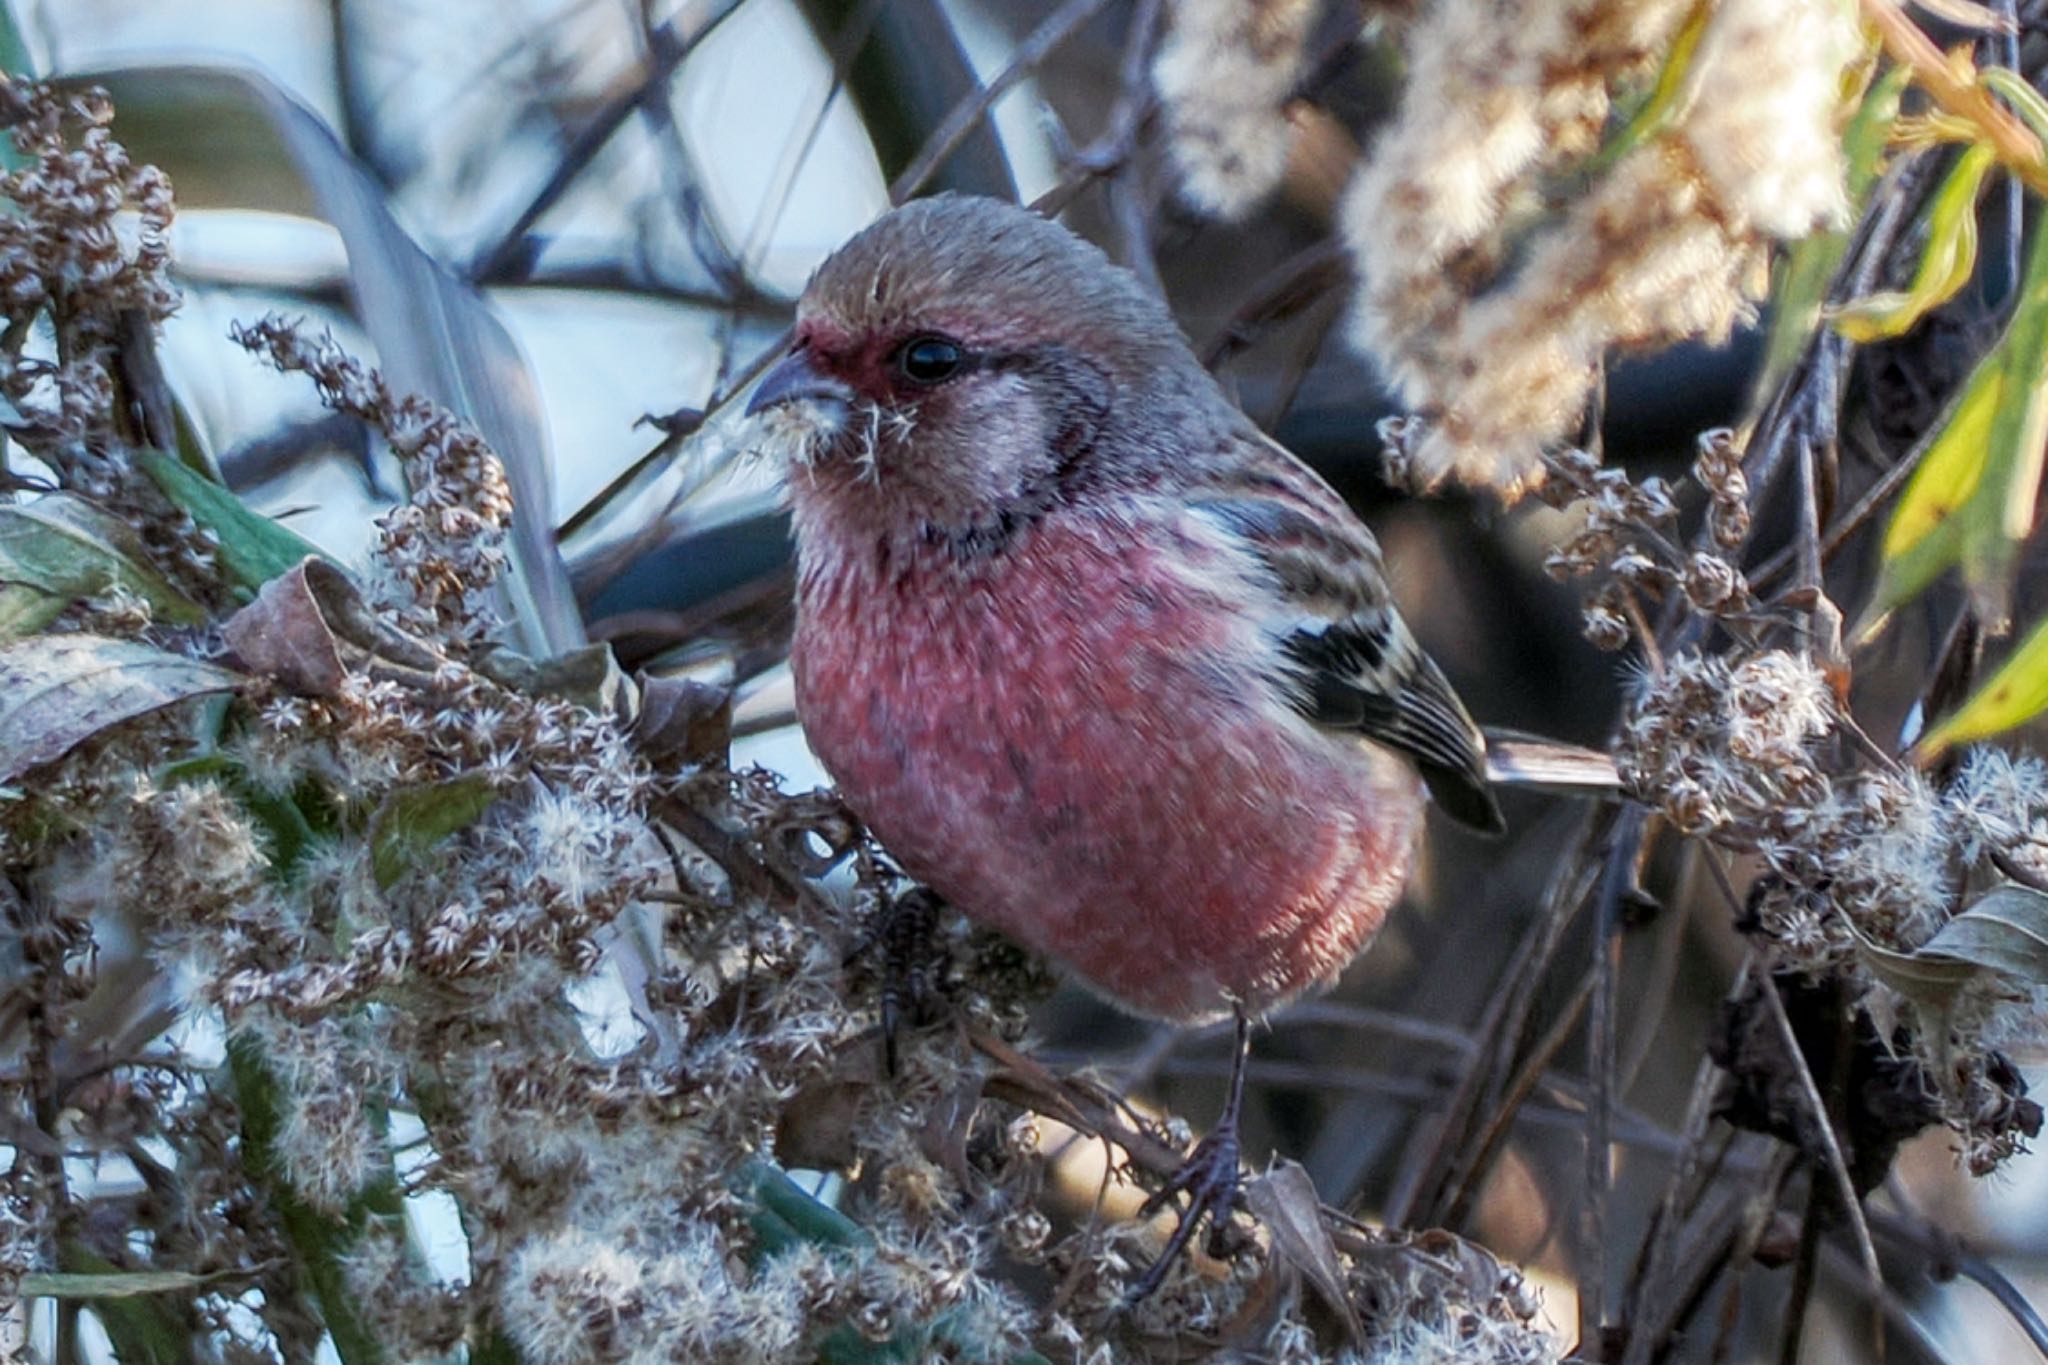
(868, 363)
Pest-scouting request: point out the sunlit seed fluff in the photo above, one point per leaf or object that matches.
(1493, 340)
(568, 1297)
(1223, 74)
(1995, 797)
(1766, 125)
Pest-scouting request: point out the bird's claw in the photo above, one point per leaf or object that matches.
(1209, 1178)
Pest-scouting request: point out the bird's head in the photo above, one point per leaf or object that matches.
(959, 359)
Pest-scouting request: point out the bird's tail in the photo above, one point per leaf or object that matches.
(1530, 763)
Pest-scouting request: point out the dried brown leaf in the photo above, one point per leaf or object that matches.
(1284, 1200)
(57, 691)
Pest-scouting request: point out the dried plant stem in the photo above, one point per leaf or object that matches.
(1952, 86)
(1600, 1049)
(1845, 1185)
(1434, 1170)
(1654, 1261)
(960, 121)
(1501, 1117)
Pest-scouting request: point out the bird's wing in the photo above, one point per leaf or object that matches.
(1351, 662)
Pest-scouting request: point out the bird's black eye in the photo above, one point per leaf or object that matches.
(930, 360)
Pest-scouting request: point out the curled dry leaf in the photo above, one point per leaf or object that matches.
(1284, 1200)
(57, 691)
(818, 1127)
(284, 635)
(683, 721)
(588, 676)
(308, 628)
(2004, 933)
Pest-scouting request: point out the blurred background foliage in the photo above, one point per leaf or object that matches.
(582, 223)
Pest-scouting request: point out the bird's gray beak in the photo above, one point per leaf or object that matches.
(795, 378)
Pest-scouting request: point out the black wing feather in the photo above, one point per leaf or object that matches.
(1414, 711)
(1351, 663)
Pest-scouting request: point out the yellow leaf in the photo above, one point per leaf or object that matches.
(1949, 475)
(2015, 694)
(1971, 501)
(1945, 266)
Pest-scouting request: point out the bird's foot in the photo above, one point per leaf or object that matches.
(1209, 1178)
(913, 962)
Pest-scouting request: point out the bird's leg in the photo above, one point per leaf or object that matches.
(1209, 1178)
(907, 933)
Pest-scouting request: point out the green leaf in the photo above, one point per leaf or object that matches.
(253, 548)
(66, 546)
(1669, 95)
(2024, 98)
(2013, 695)
(25, 610)
(1946, 264)
(1971, 501)
(142, 1330)
(113, 1284)
(411, 822)
(57, 691)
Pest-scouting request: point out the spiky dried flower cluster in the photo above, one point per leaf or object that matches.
(1858, 865)
(1625, 534)
(389, 882)
(1224, 75)
(88, 243)
(445, 544)
(1491, 325)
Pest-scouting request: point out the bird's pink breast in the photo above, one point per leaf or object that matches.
(1073, 745)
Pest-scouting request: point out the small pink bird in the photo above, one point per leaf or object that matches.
(1093, 657)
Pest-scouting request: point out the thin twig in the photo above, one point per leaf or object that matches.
(1845, 1184)
(598, 502)
(1600, 1049)
(1129, 206)
(666, 50)
(960, 121)
(1309, 274)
